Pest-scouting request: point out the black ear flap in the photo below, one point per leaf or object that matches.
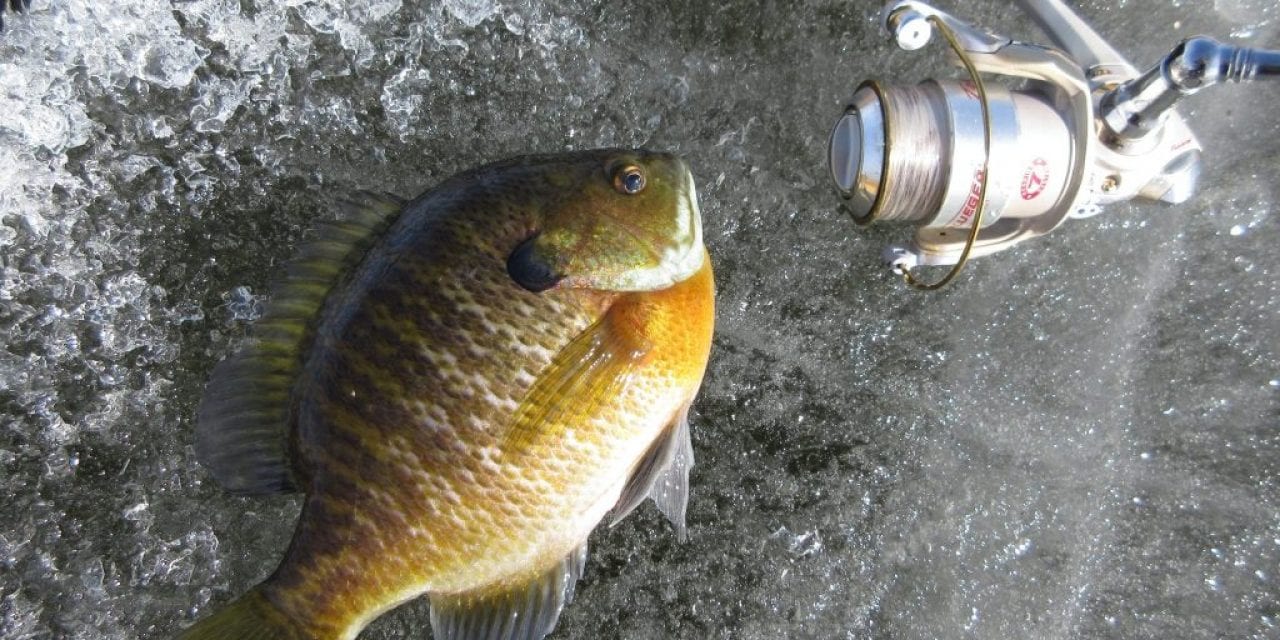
(528, 271)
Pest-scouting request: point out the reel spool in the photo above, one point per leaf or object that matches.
(950, 155)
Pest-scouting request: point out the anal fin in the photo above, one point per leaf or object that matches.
(526, 611)
(662, 474)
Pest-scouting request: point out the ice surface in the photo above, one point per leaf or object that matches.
(1079, 440)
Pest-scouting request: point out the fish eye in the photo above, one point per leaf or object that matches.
(629, 180)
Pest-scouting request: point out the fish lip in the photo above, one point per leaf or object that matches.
(689, 262)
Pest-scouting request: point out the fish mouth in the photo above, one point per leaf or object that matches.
(647, 259)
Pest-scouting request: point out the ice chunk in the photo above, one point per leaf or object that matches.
(169, 63)
(218, 101)
(41, 114)
(471, 12)
(402, 98)
(243, 305)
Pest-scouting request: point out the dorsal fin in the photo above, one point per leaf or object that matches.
(242, 424)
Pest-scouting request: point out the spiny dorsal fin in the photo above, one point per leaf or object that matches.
(242, 425)
(518, 612)
(663, 474)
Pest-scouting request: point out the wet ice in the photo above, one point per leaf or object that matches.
(1078, 440)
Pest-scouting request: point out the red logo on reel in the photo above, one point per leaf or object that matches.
(971, 203)
(1035, 179)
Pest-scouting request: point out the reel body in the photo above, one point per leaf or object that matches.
(935, 156)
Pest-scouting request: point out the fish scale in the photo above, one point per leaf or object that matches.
(459, 432)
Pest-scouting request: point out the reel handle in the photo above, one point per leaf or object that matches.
(1136, 109)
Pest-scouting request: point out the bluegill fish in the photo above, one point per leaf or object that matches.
(464, 386)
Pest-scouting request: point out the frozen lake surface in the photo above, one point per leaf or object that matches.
(1081, 439)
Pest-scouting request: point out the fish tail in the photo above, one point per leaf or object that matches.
(251, 617)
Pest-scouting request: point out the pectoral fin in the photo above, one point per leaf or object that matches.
(663, 474)
(587, 373)
(527, 611)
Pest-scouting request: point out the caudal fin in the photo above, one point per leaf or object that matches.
(249, 618)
